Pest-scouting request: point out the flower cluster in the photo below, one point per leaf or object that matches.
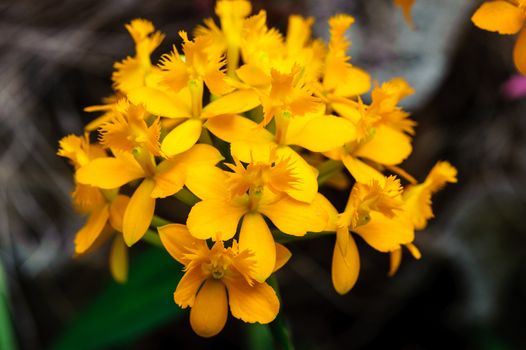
(251, 122)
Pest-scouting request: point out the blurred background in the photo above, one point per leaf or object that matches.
(467, 292)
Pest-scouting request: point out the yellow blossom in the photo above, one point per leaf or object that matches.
(80, 152)
(177, 92)
(132, 71)
(227, 39)
(287, 97)
(505, 17)
(382, 132)
(274, 105)
(161, 180)
(260, 45)
(340, 78)
(314, 131)
(417, 204)
(417, 198)
(224, 205)
(375, 212)
(218, 278)
(104, 208)
(128, 130)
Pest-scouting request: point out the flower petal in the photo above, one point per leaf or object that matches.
(307, 186)
(207, 182)
(253, 75)
(345, 262)
(519, 52)
(499, 16)
(158, 102)
(395, 258)
(256, 237)
(119, 259)
(332, 213)
(178, 241)
(171, 174)
(356, 82)
(386, 234)
(110, 172)
(210, 310)
(232, 127)
(320, 133)
(362, 172)
(188, 287)
(182, 137)
(257, 303)
(139, 213)
(236, 102)
(200, 154)
(294, 217)
(388, 146)
(92, 229)
(117, 209)
(215, 218)
(169, 178)
(283, 255)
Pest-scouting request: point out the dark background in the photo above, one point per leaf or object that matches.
(468, 290)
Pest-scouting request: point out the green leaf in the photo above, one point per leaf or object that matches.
(279, 328)
(259, 336)
(123, 313)
(7, 341)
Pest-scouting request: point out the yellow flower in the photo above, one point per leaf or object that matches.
(340, 79)
(417, 198)
(104, 208)
(102, 222)
(108, 109)
(417, 204)
(247, 195)
(231, 15)
(218, 277)
(505, 17)
(375, 212)
(132, 71)
(80, 152)
(128, 130)
(287, 97)
(260, 45)
(199, 65)
(264, 51)
(177, 92)
(313, 131)
(382, 132)
(160, 181)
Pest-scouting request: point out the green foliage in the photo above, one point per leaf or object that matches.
(6, 332)
(121, 314)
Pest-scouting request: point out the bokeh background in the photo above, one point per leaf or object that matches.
(467, 292)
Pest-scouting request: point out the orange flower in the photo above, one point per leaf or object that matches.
(218, 277)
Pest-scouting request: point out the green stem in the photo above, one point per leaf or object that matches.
(187, 197)
(328, 169)
(279, 328)
(159, 221)
(153, 238)
(7, 339)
